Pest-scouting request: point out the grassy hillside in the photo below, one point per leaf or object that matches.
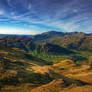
(22, 72)
(50, 62)
(14, 69)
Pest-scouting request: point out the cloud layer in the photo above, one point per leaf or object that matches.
(45, 15)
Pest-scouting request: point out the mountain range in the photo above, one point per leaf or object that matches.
(48, 62)
(52, 43)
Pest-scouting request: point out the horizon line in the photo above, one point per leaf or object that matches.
(39, 33)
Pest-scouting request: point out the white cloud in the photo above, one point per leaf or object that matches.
(17, 31)
(1, 12)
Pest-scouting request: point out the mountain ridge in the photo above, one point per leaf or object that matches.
(52, 43)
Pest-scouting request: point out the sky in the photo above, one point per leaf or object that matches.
(38, 16)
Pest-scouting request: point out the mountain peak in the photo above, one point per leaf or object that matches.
(54, 33)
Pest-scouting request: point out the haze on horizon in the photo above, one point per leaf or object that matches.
(37, 16)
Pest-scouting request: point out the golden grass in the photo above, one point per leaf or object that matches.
(54, 86)
(20, 88)
(78, 89)
(40, 69)
(8, 74)
(4, 52)
(64, 64)
(63, 73)
(82, 73)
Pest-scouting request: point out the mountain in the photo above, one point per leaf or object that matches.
(49, 62)
(47, 35)
(66, 40)
(53, 34)
(72, 40)
(27, 43)
(53, 45)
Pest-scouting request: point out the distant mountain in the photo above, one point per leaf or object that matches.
(71, 40)
(50, 42)
(47, 35)
(53, 34)
(27, 43)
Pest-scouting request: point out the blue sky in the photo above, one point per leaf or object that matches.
(37, 16)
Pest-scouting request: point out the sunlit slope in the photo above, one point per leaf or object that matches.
(22, 72)
(69, 77)
(14, 65)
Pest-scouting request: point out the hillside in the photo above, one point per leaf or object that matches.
(68, 78)
(14, 70)
(53, 45)
(72, 40)
(20, 71)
